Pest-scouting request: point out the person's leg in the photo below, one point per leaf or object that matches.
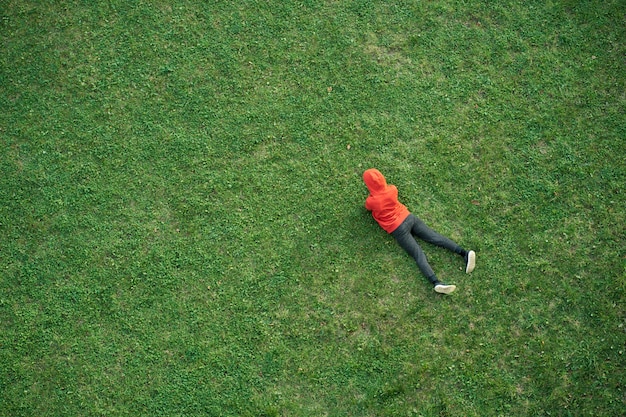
(406, 240)
(427, 234)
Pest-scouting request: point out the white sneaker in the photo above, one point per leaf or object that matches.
(470, 258)
(444, 289)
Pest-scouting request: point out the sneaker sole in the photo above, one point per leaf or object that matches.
(471, 262)
(445, 289)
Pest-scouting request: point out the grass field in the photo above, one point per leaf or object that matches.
(182, 229)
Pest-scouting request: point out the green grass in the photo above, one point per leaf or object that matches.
(182, 230)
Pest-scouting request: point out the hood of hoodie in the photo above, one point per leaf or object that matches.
(375, 181)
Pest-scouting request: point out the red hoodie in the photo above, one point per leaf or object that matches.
(383, 201)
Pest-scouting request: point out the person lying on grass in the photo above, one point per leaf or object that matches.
(397, 220)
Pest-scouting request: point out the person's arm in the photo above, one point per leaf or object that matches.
(368, 203)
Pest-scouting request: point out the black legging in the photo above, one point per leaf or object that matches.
(413, 226)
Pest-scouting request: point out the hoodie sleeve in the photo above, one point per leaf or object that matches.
(368, 202)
